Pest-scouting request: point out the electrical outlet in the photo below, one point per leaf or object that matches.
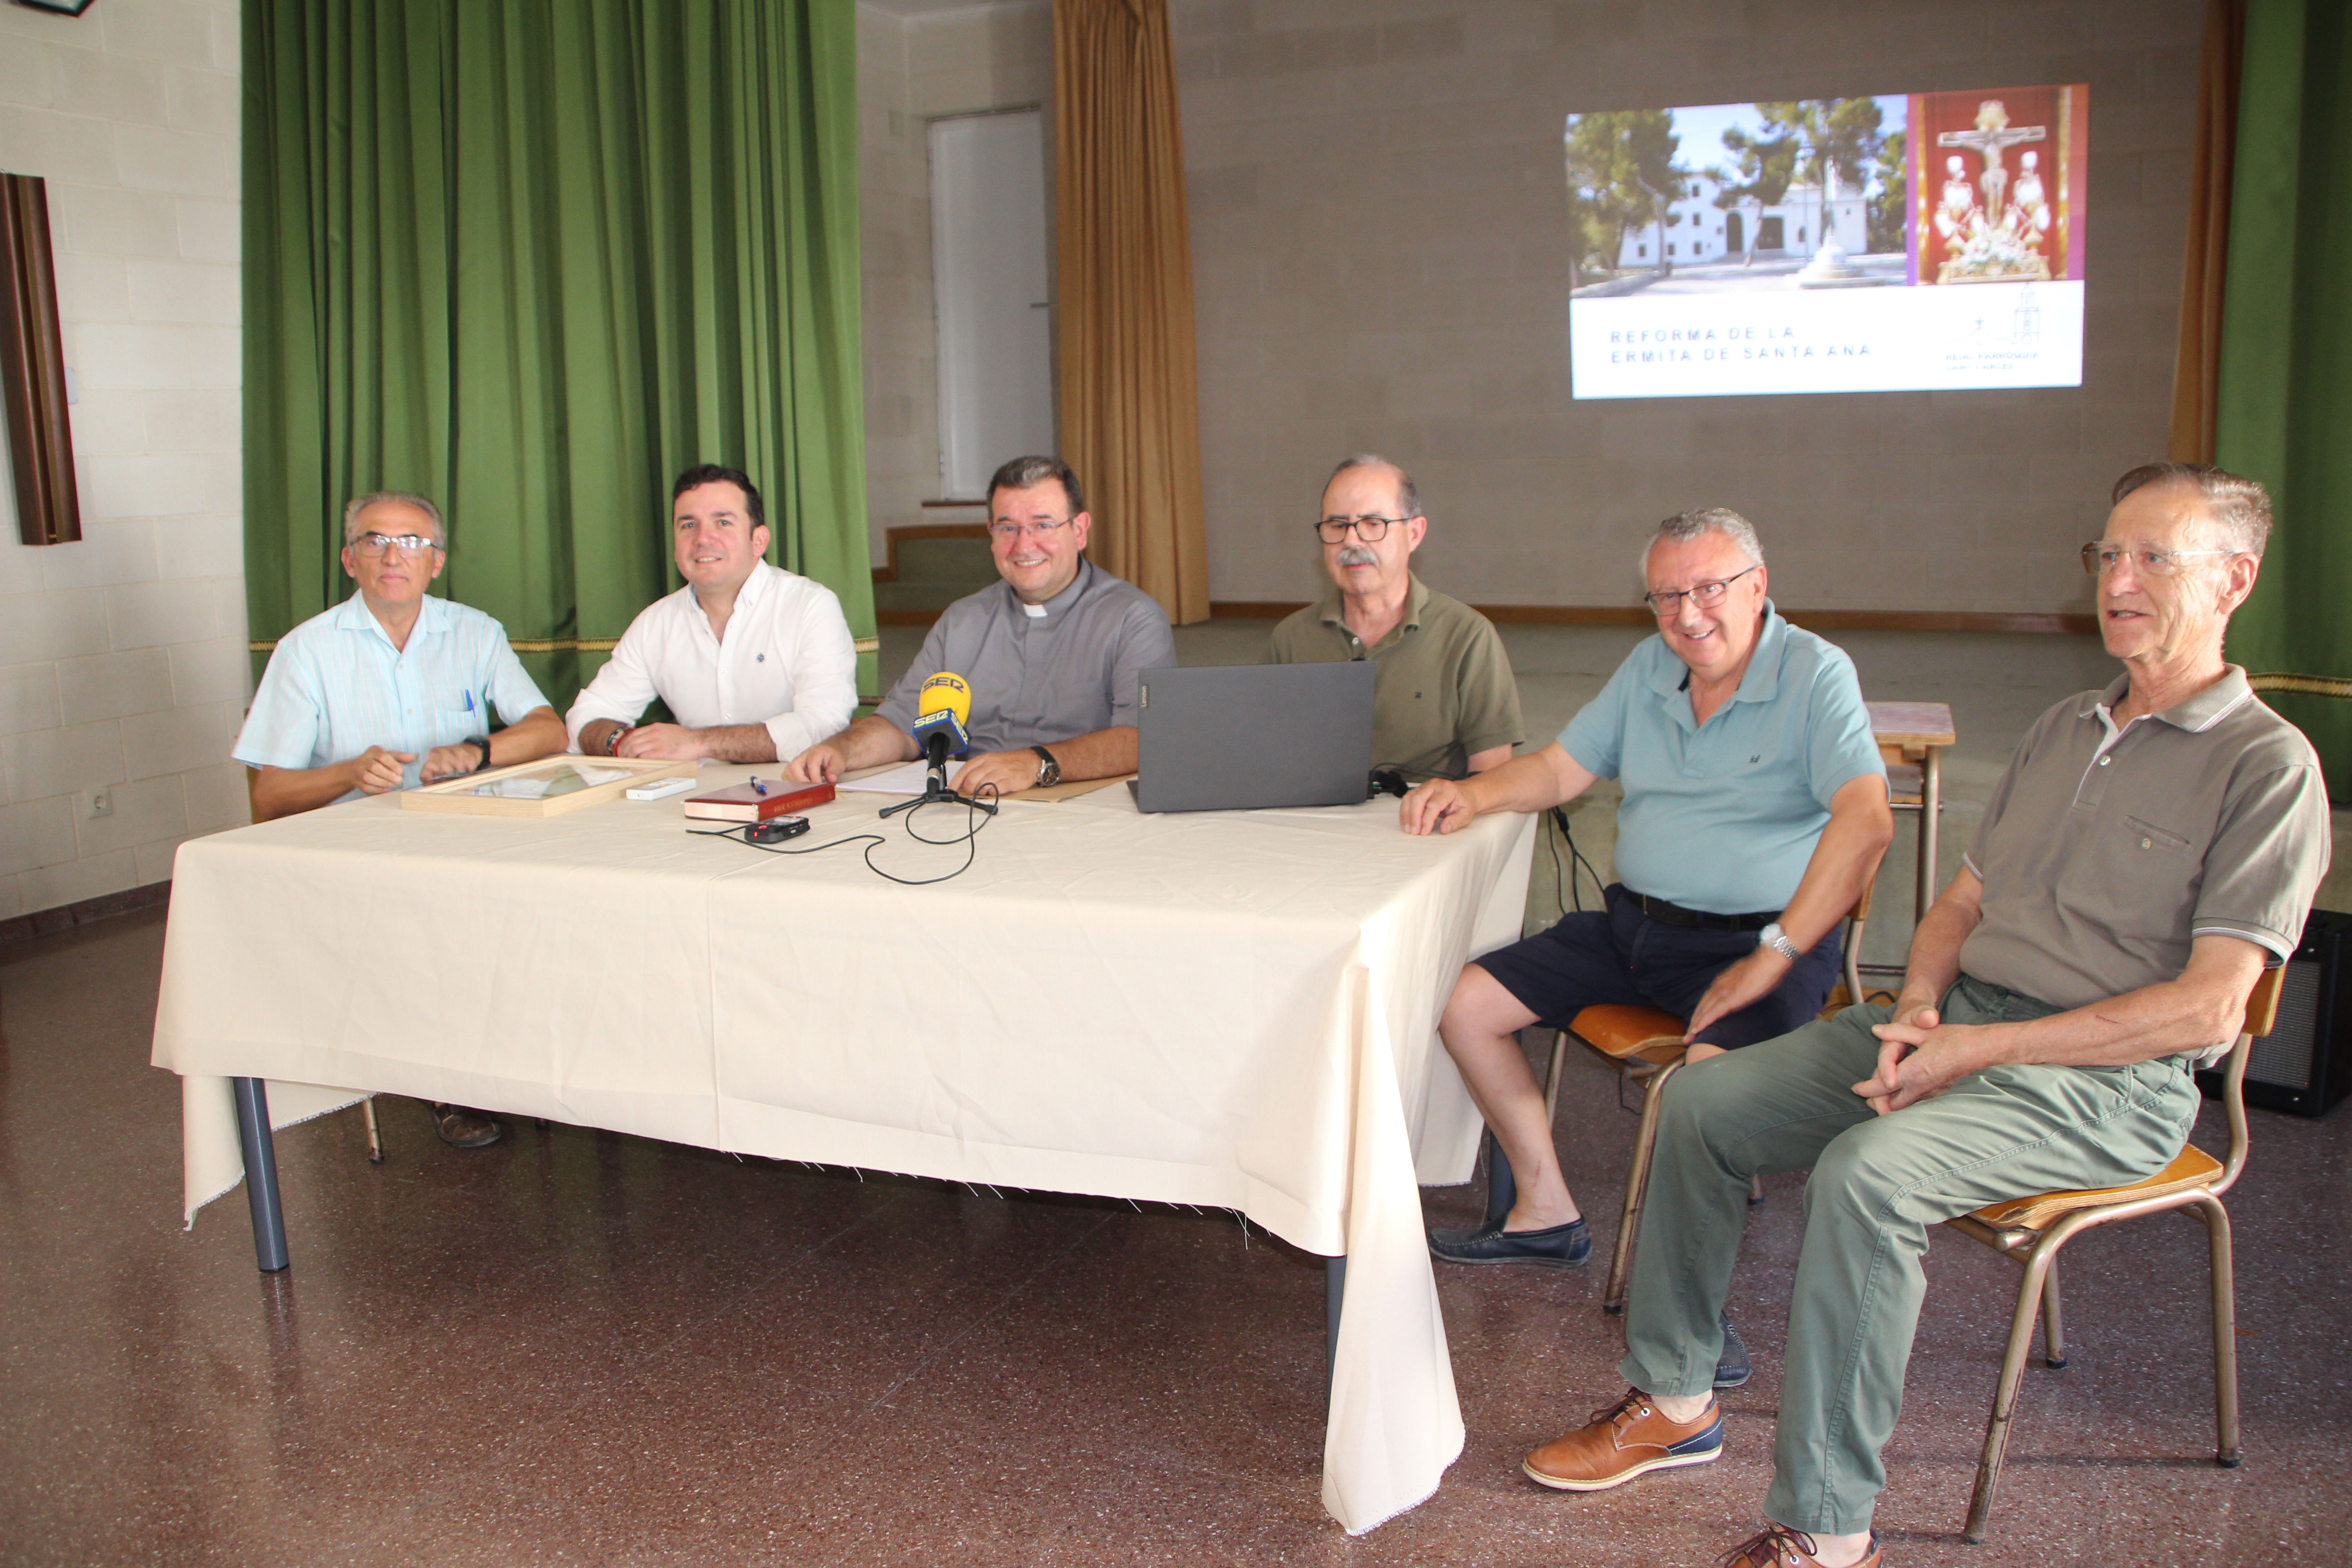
(96, 802)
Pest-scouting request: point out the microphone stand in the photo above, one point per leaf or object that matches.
(935, 784)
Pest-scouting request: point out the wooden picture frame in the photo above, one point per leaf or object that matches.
(463, 795)
(33, 367)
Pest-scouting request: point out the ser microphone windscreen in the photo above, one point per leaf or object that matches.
(945, 693)
(942, 705)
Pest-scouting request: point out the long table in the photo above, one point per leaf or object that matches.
(1224, 1009)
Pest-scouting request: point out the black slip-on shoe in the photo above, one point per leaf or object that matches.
(1560, 1247)
(1731, 1367)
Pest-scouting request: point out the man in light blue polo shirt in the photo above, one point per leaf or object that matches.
(391, 688)
(1754, 808)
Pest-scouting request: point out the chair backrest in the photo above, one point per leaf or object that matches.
(1860, 910)
(1855, 919)
(2262, 1017)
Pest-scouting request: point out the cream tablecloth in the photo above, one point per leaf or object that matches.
(1228, 1009)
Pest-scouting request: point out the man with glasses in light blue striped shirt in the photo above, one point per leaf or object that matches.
(390, 688)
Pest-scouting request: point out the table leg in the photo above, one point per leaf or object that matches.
(1335, 1291)
(1931, 801)
(260, 1173)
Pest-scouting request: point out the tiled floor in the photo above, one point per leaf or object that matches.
(575, 1347)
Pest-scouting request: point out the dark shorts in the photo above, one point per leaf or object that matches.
(1619, 955)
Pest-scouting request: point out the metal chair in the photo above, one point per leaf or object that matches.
(1647, 1044)
(2032, 1229)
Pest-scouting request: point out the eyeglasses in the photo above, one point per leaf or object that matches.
(1371, 530)
(1043, 530)
(1706, 595)
(2098, 558)
(371, 546)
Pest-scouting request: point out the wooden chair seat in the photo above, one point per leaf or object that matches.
(1618, 1032)
(2192, 1167)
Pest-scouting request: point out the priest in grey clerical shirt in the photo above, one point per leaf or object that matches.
(1052, 654)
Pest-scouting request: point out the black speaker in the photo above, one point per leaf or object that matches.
(2305, 1063)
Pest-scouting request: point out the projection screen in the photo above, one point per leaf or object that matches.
(1933, 241)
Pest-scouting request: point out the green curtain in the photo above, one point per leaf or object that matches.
(532, 259)
(2285, 400)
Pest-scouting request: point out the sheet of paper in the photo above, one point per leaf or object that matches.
(907, 778)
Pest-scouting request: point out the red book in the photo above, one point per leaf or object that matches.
(756, 803)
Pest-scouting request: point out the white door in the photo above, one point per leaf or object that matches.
(989, 281)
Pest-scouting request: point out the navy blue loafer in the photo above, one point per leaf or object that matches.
(1731, 1366)
(1560, 1246)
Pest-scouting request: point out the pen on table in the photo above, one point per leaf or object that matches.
(756, 787)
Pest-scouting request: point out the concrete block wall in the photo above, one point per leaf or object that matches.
(1380, 236)
(122, 658)
(909, 69)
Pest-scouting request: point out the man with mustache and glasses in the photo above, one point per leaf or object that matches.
(391, 688)
(1755, 806)
(1444, 702)
(752, 661)
(1052, 654)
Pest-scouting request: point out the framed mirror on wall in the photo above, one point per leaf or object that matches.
(33, 368)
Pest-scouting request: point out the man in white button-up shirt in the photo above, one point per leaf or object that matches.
(755, 662)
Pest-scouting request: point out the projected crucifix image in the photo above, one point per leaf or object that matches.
(1812, 245)
(2000, 237)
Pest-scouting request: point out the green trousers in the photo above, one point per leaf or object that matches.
(1877, 1183)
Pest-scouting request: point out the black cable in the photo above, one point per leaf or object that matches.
(975, 819)
(1561, 881)
(1575, 858)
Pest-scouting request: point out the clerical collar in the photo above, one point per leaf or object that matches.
(1059, 602)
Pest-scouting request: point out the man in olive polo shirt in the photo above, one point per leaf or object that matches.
(2151, 849)
(1445, 704)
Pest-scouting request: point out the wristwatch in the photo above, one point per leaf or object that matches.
(483, 741)
(1049, 771)
(1773, 937)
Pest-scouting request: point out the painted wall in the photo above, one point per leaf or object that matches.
(1380, 261)
(123, 660)
(909, 71)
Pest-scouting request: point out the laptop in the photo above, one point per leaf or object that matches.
(1240, 737)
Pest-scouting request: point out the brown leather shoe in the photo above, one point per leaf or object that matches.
(1781, 1547)
(1624, 1440)
(463, 1129)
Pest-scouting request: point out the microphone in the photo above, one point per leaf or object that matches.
(944, 704)
(942, 707)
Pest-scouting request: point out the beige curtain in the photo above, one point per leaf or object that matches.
(2196, 369)
(1129, 390)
